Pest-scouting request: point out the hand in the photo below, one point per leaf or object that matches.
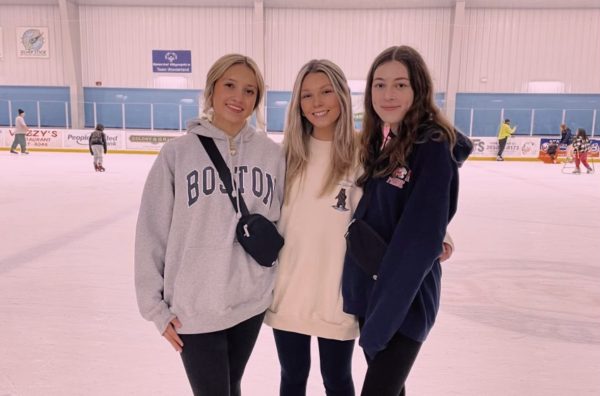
(446, 252)
(171, 335)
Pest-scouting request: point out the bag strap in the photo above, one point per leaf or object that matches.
(224, 172)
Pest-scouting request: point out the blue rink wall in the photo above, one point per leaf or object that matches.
(477, 114)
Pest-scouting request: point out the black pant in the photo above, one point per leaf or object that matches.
(215, 362)
(387, 372)
(335, 356)
(501, 145)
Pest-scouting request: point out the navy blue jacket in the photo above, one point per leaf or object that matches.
(410, 209)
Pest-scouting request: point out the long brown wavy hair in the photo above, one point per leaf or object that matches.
(422, 121)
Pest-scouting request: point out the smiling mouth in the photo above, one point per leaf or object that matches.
(320, 113)
(234, 108)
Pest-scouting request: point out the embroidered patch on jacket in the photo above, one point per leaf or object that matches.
(399, 177)
(342, 197)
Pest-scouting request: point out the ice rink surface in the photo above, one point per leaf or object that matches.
(520, 311)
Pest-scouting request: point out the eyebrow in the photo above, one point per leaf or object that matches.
(234, 80)
(328, 85)
(395, 79)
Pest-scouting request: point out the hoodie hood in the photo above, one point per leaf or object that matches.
(462, 149)
(203, 127)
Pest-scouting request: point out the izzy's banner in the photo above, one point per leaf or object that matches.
(171, 61)
(32, 42)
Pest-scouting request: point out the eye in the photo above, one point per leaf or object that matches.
(305, 96)
(378, 85)
(229, 85)
(250, 92)
(327, 91)
(402, 85)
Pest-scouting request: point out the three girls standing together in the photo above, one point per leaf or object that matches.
(208, 297)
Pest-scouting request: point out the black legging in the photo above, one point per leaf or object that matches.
(501, 146)
(215, 362)
(388, 371)
(335, 357)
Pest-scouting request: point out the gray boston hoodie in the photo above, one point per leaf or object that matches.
(188, 263)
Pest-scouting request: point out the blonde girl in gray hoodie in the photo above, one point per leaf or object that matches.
(204, 293)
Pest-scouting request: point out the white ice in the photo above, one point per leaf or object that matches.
(520, 310)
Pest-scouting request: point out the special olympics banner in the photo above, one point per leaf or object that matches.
(148, 141)
(516, 147)
(79, 138)
(32, 42)
(174, 61)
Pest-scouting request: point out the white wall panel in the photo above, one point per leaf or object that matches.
(504, 49)
(31, 71)
(352, 39)
(117, 42)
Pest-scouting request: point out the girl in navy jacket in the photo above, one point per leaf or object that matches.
(410, 155)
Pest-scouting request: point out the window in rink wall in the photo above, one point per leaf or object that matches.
(44, 106)
(138, 108)
(534, 114)
(476, 114)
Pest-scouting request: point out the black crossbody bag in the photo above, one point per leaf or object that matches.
(257, 234)
(363, 243)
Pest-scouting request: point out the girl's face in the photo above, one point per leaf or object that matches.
(234, 98)
(391, 93)
(318, 101)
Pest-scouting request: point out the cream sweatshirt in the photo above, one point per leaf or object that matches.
(307, 296)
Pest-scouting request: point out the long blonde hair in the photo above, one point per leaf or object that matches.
(298, 129)
(219, 68)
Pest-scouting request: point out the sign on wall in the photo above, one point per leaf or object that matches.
(516, 147)
(32, 42)
(171, 61)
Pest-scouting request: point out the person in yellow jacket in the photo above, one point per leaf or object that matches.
(503, 133)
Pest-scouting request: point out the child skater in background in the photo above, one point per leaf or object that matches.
(206, 295)
(411, 183)
(97, 143)
(581, 147)
(320, 197)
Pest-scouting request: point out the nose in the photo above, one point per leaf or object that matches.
(389, 93)
(317, 100)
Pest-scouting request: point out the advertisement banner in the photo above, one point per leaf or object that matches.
(148, 141)
(516, 147)
(561, 153)
(174, 61)
(32, 42)
(37, 137)
(78, 138)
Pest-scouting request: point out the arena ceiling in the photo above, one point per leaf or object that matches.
(330, 4)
